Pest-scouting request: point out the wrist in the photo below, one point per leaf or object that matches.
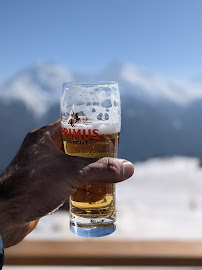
(6, 222)
(9, 215)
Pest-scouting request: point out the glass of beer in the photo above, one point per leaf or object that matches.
(91, 123)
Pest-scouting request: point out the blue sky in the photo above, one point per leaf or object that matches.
(162, 36)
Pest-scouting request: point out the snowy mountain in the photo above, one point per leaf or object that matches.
(160, 117)
(39, 87)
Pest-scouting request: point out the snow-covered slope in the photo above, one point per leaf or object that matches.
(40, 86)
(163, 200)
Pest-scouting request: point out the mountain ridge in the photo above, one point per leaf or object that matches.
(40, 86)
(150, 127)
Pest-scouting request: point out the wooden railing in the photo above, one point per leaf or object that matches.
(111, 253)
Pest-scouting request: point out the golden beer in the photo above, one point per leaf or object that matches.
(91, 123)
(96, 199)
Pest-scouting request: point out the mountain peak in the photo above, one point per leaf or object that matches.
(38, 87)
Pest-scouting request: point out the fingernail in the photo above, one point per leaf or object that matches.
(128, 169)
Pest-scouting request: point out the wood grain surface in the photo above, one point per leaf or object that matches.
(100, 252)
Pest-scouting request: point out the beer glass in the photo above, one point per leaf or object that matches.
(91, 123)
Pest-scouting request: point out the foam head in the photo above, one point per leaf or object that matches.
(92, 105)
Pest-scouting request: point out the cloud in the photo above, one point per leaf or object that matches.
(38, 87)
(156, 87)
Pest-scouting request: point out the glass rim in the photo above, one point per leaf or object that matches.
(93, 83)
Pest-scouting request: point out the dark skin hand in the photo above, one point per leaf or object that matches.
(42, 177)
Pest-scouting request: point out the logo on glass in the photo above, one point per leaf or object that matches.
(74, 119)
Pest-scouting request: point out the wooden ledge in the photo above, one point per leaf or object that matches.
(100, 253)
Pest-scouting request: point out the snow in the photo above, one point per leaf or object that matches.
(156, 87)
(163, 200)
(40, 86)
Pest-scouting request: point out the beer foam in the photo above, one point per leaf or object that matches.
(91, 106)
(103, 128)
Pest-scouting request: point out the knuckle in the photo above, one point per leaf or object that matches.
(81, 177)
(38, 130)
(112, 168)
(27, 138)
(55, 123)
(76, 173)
(32, 131)
(36, 134)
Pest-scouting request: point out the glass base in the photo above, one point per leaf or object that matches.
(96, 230)
(94, 226)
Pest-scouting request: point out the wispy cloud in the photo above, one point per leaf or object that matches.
(40, 86)
(156, 87)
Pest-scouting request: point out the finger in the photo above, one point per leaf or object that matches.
(32, 226)
(55, 124)
(108, 170)
(52, 131)
(56, 133)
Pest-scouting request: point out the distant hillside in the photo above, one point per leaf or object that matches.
(154, 123)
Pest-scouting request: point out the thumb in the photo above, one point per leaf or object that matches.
(108, 170)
